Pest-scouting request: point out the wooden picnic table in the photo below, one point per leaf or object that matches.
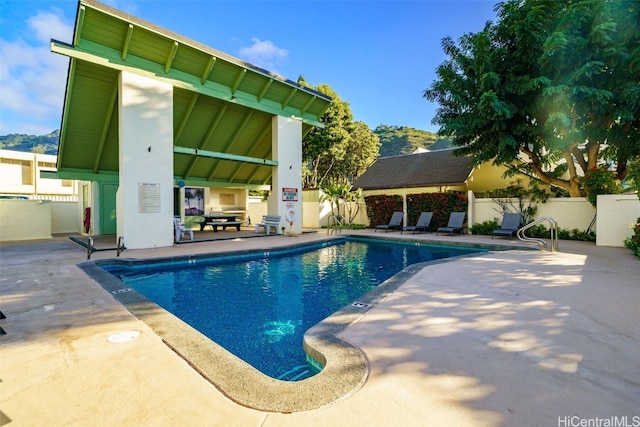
(220, 220)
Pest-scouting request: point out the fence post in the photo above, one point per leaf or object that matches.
(471, 201)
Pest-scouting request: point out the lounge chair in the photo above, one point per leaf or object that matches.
(455, 225)
(422, 225)
(510, 225)
(395, 223)
(181, 229)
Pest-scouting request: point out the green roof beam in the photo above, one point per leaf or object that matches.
(232, 140)
(224, 156)
(81, 175)
(207, 70)
(105, 128)
(257, 168)
(185, 118)
(264, 90)
(307, 104)
(107, 57)
(78, 34)
(171, 57)
(253, 146)
(207, 138)
(66, 107)
(288, 98)
(238, 80)
(127, 42)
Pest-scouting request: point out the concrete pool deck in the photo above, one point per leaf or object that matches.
(509, 338)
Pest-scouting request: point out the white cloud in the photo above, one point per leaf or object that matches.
(32, 78)
(264, 54)
(49, 25)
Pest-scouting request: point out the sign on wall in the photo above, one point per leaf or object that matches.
(289, 194)
(148, 197)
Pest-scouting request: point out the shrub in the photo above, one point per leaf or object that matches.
(484, 228)
(527, 199)
(347, 226)
(633, 242)
(599, 181)
(441, 204)
(539, 231)
(575, 234)
(381, 207)
(633, 174)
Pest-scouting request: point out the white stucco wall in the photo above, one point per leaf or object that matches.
(570, 213)
(287, 150)
(145, 194)
(255, 211)
(615, 215)
(25, 219)
(64, 217)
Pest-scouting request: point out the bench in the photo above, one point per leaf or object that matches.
(223, 224)
(269, 221)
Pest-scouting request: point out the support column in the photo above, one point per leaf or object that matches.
(144, 201)
(286, 195)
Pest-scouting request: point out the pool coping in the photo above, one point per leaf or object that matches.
(345, 367)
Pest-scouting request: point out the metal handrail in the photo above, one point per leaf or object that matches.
(120, 245)
(553, 227)
(89, 247)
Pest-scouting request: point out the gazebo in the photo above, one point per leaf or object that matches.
(148, 112)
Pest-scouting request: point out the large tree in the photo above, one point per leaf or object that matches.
(552, 88)
(342, 150)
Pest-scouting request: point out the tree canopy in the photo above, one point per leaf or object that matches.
(42, 144)
(342, 150)
(552, 88)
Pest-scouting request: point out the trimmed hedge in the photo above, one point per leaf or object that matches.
(381, 207)
(441, 204)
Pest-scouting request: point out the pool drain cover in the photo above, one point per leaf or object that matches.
(360, 305)
(125, 336)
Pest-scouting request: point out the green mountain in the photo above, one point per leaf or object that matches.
(43, 144)
(394, 141)
(399, 140)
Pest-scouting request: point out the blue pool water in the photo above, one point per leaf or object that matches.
(258, 306)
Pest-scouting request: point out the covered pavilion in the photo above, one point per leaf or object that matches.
(148, 112)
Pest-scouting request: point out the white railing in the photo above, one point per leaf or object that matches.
(553, 227)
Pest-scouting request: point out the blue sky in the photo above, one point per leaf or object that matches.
(379, 56)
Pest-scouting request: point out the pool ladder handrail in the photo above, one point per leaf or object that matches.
(120, 246)
(91, 248)
(553, 227)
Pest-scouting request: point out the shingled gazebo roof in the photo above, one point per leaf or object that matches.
(430, 169)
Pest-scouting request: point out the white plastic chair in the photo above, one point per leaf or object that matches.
(181, 229)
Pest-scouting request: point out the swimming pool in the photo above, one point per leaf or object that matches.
(258, 305)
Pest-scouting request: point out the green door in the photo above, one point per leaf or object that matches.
(108, 208)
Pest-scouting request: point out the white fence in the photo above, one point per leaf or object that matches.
(39, 219)
(616, 215)
(570, 213)
(612, 226)
(36, 219)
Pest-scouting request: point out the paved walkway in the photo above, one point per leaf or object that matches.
(514, 338)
